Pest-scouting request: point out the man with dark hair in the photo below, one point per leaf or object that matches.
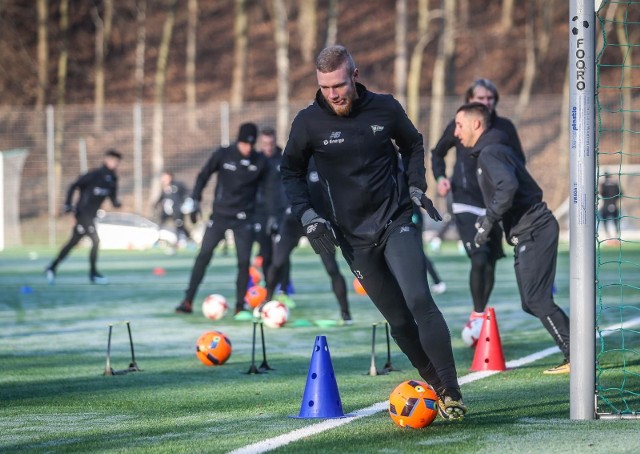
(94, 187)
(467, 202)
(512, 196)
(240, 171)
(350, 132)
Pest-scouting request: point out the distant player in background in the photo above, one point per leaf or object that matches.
(513, 197)
(610, 194)
(93, 187)
(267, 224)
(287, 239)
(467, 202)
(240, 170)
(172, 195)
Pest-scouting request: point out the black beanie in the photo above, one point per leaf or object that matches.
(248, 133)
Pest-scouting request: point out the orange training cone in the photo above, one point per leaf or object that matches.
(489, 354)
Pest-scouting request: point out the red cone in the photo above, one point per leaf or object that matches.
(489, 354)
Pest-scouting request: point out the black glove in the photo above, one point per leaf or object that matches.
(67, 208)
(484, 226)
(319, 233)
(117, 204)
(195, 211)
(420, 199)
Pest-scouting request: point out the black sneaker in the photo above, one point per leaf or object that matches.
(185, 307)
(346, 318)
(98, 278)
(450, 405)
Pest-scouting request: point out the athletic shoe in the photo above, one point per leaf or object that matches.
(346, 318)
(435, 244)
(439, 288)
(98, 278)
(563, 368)
(50, 275)
(243, 315)
(185, 307)
(450, 405)
(475, 315)
(286, 300)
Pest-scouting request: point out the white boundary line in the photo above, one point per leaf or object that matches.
(327, 424)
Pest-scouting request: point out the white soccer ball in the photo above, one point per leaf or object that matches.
(214, 306)
(471, 331)
(275, 314)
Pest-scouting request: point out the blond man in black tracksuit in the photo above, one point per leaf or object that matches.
(350, 132)
(513, 197)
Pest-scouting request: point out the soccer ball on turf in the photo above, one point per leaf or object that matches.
(471, 331)
(214, 306)
(413, 404)
(275, 314)
(255, 296)
(213, 348)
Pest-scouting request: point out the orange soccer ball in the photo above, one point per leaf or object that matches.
(213, 348)
(255, 296)
(255, 276)
(357, 286)
(413, 404)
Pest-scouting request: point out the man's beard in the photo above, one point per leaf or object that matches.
(343, 110)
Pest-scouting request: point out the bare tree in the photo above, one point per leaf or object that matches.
(282, 64)
(332, 23)
(442, 63)
(157, 154)
(43, 53)
(190, 69)
(506, 18)
(415, 64)
(141, 12)
(102, 38)
(308, 29)
(241, 40)
(63, 58)
(530, 67)
(400, 62)
(626, 38)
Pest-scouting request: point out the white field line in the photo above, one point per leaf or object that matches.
(327, 424)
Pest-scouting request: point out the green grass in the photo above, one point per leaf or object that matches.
(54, 397)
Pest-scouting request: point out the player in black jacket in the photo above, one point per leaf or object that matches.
(514, 198)
(287, 239)
(173, 194)
(350, 132)
(240, 170)
(94, 186)
(467, 202)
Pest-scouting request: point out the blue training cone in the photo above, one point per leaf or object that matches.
(321, 397)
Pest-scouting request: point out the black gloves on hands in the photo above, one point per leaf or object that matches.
(484, 226)
(195, 211)
(319, 233)
(67, 208)
(420, 199)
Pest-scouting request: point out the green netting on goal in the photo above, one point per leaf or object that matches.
(618, 210)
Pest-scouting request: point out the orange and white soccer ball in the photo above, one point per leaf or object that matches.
(471, 331)
(274, 314)
(413, 404)
(213, 348)
(215, 306)
(255, 295)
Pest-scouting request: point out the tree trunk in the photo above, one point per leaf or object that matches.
(308, 29)
(332, 23)
(282, 65)
(400, 62)
(157, 154)
(415, 65)
(103, 32)
(506, 20)
(241, 39)
(530, 68)
(626, 56)
(192, 24)
(58, 141)
(141, 12)
(43, 54)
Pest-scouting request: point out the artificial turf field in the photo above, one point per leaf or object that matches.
(54, 397)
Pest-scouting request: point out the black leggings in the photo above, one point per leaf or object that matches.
(392, 273)
(79, 231)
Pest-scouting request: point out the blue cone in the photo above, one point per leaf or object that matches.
(321, 397)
